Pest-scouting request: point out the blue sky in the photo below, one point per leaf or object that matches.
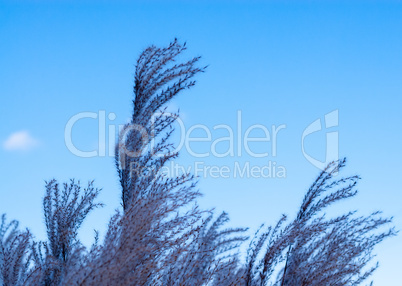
(279, 62)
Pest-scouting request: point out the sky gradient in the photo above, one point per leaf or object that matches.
(279, 63)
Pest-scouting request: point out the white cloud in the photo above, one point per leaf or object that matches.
(20, 141)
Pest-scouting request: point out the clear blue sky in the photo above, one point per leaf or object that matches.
(285, 62)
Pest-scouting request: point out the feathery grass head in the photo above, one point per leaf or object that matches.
(162, 237)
